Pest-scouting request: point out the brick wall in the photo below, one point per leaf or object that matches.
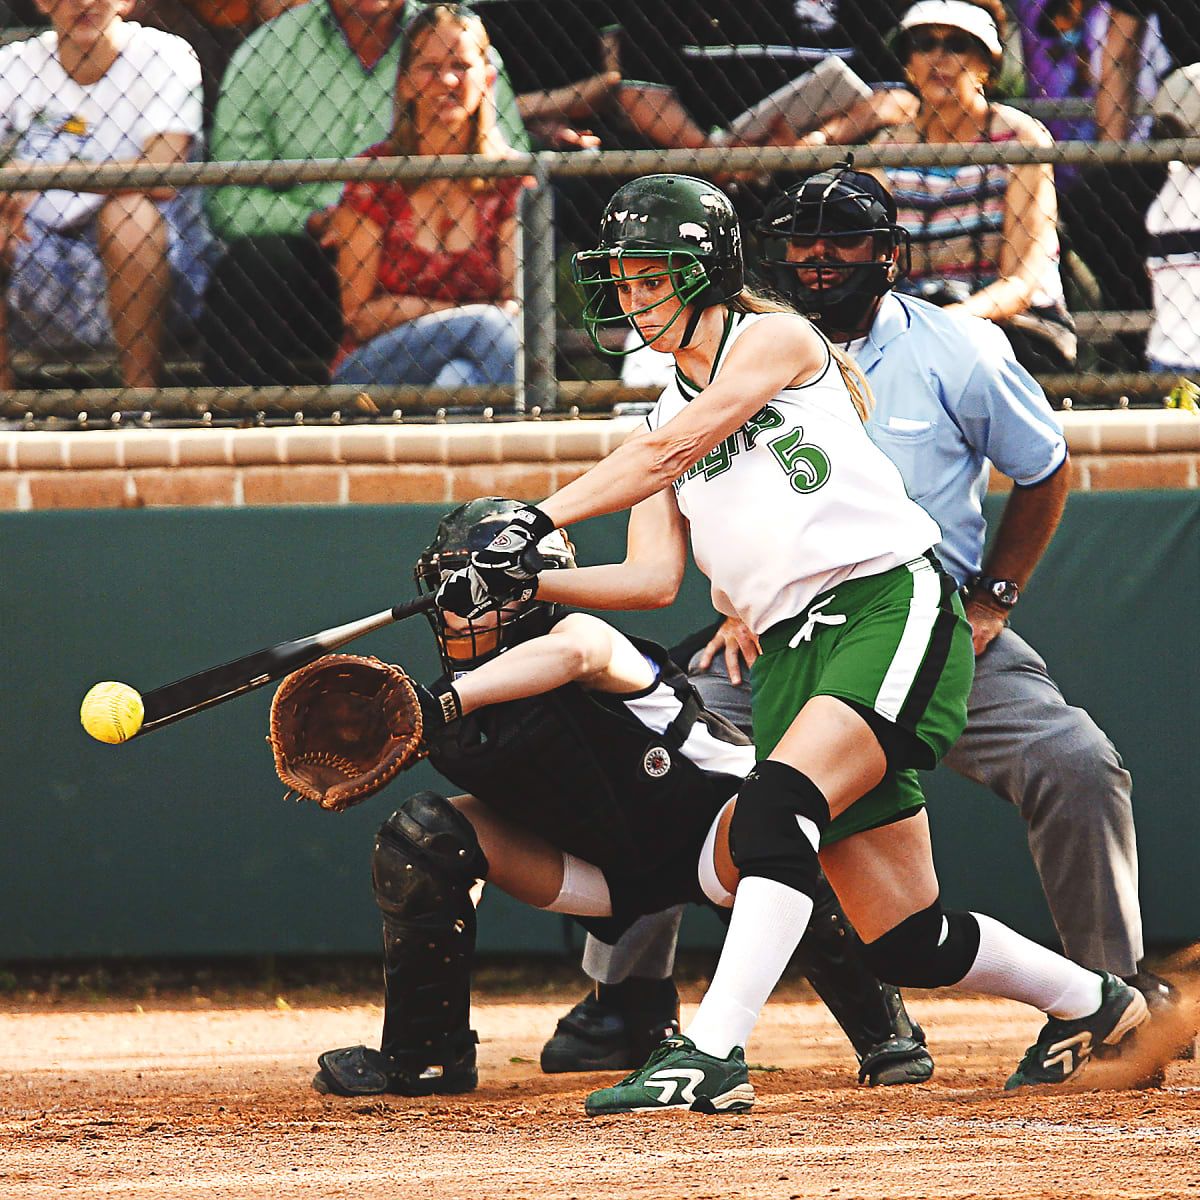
(397, 464)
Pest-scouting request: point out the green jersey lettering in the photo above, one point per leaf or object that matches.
(807, 465)
(766, 418)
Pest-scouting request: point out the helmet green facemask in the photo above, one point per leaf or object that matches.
(687, 225)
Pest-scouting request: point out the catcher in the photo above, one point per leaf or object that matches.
(597, 785)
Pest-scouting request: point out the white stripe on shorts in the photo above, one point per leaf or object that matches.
(914, 641)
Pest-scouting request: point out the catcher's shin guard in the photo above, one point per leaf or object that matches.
(889, 1044)
(427, 858)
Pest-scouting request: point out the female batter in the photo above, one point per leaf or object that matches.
(806, 533)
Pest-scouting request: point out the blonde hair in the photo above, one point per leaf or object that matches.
(861, 396)
(402, 139)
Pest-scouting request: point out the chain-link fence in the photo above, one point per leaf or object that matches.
(351, 208)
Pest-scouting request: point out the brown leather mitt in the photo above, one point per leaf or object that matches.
(343, 727)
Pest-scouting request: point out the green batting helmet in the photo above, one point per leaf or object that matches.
(687, 224)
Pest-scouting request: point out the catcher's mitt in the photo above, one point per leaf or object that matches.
(343, 727)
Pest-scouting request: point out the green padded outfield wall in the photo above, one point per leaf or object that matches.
(180, 843)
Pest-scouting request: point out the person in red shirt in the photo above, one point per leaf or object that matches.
(426, 271)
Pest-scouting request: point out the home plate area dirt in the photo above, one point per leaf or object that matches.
(176, 1099)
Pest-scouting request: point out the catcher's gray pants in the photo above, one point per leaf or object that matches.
(1031, 748)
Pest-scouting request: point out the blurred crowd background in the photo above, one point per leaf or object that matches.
(1092, 266)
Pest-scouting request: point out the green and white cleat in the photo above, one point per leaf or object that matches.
(1064, 1047)
(678, 1076)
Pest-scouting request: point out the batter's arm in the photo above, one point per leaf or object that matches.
(767, 358)
(648, 577)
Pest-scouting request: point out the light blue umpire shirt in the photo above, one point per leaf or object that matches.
(949, 398)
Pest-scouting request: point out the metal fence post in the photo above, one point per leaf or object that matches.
(537, 385)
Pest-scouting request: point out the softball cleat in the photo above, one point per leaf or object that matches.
(1064, 1047)
(676, 1077)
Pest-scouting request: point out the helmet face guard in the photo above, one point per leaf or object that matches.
(466, 643)
(593, 271)
(837, 205)
(687, 225)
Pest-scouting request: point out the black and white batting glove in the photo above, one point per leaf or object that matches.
(465, 594)
(511, 558)
(440, 705)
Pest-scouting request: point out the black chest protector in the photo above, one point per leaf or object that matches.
(586, 774)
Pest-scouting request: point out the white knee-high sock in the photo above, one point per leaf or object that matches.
(1012, 966)
(768, 921)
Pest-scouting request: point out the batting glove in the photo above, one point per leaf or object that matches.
(511, 558)
(467, 594)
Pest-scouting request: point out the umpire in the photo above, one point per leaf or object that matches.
(950, 399)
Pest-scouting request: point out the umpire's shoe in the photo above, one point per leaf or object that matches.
(678, 1076)
(614, 1028)
(1064, 1047)
(361, 1071)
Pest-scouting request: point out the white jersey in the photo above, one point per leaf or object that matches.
(796, 501)
(152, 88)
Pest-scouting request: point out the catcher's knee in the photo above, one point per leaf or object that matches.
(930, 949)
(426, 859)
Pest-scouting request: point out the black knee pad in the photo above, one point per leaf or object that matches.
(426, 860)
(915, 954)
(765, 838)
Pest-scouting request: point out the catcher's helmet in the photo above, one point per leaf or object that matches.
(464, 643)
(837, 204)
(688, 225)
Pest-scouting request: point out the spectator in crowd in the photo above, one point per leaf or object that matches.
(213, 28)
(1063, 42)
(90, 270)
(427, 271)
(1106, 213)
(316, 82)
(985, 236)
(1123, 57)
(1173, 224)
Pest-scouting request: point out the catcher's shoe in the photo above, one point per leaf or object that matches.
(600, 1035)
(898, 1060)
(1064, 1047)
(361, 1071)
(678, 1076)
(1164, 1002)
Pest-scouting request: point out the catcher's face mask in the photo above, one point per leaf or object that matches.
(466, 643)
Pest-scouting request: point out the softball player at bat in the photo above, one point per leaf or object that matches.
(806, 533)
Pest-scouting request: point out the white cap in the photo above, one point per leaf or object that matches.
(956, 14)
(1179, 99)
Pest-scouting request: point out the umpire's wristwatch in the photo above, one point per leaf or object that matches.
(1003, 592)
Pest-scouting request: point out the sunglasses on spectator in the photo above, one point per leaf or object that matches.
(924, 41)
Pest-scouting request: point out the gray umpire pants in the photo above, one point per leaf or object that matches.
(1048, 759)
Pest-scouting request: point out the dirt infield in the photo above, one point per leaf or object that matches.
(187, 1099)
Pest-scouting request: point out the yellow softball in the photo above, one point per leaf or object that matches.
(112, 712)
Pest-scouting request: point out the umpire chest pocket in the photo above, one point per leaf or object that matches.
(911, 447)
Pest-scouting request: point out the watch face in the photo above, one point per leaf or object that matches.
(1004, 591)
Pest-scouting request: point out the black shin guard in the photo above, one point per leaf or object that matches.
(890, 1046)
(766, 834)
(426, 860)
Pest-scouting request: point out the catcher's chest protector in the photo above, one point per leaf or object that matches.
(593, 781)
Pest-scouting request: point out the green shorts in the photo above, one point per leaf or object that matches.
(897, 643)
